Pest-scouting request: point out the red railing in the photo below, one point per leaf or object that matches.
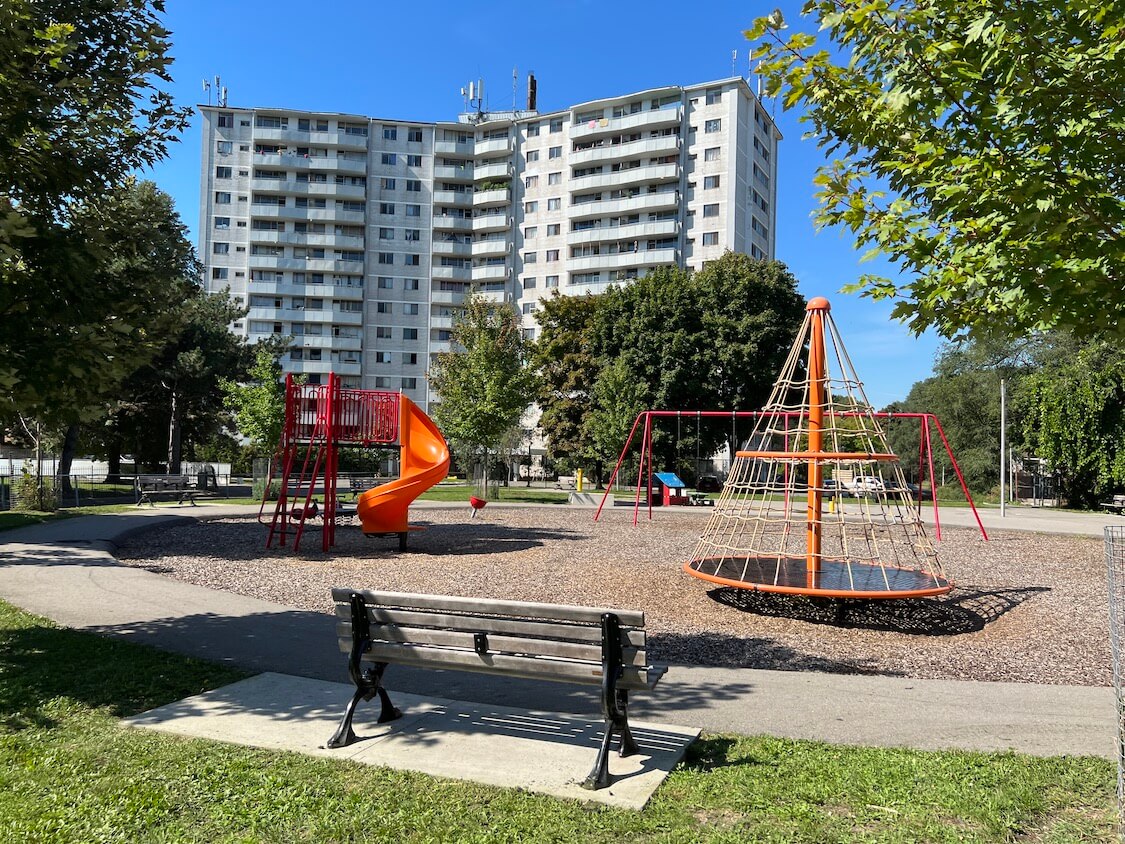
(360, 417)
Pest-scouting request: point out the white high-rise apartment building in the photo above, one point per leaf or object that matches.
(360, 237)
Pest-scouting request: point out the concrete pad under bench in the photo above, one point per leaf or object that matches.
(549, 753)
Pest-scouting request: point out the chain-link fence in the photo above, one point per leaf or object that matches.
(1115, 576)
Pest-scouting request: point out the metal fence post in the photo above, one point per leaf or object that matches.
(1115, 579)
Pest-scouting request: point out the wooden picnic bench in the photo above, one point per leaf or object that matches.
(1115, 506)
(153, 488)
(567, 644)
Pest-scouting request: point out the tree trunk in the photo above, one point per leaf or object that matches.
(175, 430)
(66, 460)
(113, 458)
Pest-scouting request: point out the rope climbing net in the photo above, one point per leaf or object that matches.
(816, 503)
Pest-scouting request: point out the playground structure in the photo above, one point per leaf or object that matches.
(771, 530)
(319, 418)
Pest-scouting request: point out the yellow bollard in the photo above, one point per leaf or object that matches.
(578, 480)
(832, 504)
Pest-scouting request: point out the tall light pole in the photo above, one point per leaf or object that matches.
(1003, 448)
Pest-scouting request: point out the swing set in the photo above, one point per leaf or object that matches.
(647, 420)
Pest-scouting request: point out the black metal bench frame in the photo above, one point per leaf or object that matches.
(366, 672)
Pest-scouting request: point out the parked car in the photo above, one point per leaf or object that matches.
(865, 485)
(927, 494)
(708, 483)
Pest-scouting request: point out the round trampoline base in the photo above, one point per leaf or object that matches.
(834, 579)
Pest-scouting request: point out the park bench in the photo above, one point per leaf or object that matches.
(359, 484)
(583, 645)
(1115, 506)
(153, 488)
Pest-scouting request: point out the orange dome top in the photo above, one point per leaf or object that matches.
(818, 304)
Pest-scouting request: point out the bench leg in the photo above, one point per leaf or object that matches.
(615, 705)
(402, 541)
(372, 685)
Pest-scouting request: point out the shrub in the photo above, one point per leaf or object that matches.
(33, 492)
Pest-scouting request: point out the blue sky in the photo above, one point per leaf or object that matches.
(410, 60)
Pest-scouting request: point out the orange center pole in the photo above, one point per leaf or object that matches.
(817, 374)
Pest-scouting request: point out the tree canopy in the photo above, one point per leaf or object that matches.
(977, 145)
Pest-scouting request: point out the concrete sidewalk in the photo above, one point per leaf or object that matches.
(65, 571)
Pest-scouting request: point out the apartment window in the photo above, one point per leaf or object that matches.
(711, 154)
(410, 358)
(710, 238)
(554, 204)
(322, 125)
(528, 207)
(556, 125)
(530, 181)
(414, 185)
(530, 232)
(386, 208)
(387, 184)
(412, 260)
(413, 161)
(552, 254)
(220, 248)
(224, 147)
(529, 334)
(554, 229)
(413, 210)
(303, 124)
(554, 152)
(386, 283)
(529, 284)
(414, 136)
(382, 357)
(386, 258)
(554, 178)
(711, 210)
(383, 308)
(413, 235)
(715, 95)
(271, 122)
(533, 156)
(715, 125)
(222, 172)
(388, 158)
(218, 273)
(410, 309)
(222, 198)
(710, 182)
(382, 383)
(410, 334)
(533, 130)
(409, 383)
(222, 222)
(410, 284)
(552, 281)
(226, 120)
(529, 257)
(386, 234)
(528, 308)
(382, 332)
(390, 133)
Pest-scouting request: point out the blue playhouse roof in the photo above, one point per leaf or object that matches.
(670, 480)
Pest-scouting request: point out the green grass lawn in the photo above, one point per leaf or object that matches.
(528, 495)
(70, 773)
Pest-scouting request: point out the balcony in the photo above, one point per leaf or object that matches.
(441, 322)
(622, 260)
(292, 161)
(663, 201)
(314, 214)
(345, 317)
(463, 173)
(503, 170)
(486, 198)
(496, 273)
(492, 146)
(624, 178)
(300, 239)
(341, 191)
(459, 150)
(665, 145)
(653, 119)
(661, 228)
(328, 341)
(452, 248)
(447, 297)
(451, 273)
(454, 198)
(452, 224)
(492, 223)
(491, 248)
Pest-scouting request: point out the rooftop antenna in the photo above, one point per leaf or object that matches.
(223, 97)
(515, 88)
(207, 90)
(734, 62)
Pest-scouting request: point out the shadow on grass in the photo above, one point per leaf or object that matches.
(967, 610)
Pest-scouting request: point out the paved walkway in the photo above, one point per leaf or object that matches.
(65, 570)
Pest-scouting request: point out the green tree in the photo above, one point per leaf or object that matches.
(977, 145)
(83, 106)
(616, 403)
(485, 383)
(564, 360)
(258, 404)
(1075, 419)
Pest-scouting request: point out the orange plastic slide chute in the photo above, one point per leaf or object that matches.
(425, 461)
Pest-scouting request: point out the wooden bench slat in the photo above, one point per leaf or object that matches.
(560, 612)
(485, 624)
(534, 668)
(591, 652)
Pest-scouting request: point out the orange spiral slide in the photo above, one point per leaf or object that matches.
(425, 461)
